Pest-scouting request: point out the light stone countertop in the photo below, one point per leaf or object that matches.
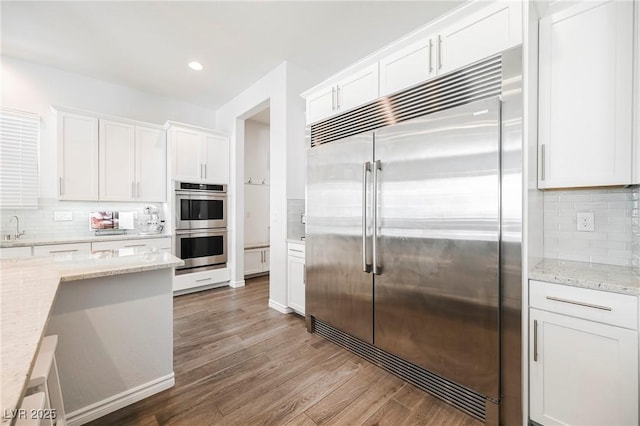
(28, 288)
(42, 240)
(295, 241)
(596, 276)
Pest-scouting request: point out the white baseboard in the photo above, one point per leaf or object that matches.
(116, 402)
(236, 284)
(279, 307)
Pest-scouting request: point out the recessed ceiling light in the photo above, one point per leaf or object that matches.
(194, 65)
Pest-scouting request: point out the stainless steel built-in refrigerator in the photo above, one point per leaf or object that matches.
(404, 235)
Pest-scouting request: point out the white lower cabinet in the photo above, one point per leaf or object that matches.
(196, 281)
(62, 251)
(256, 260)
(296, 277)
(152, 243)
(582, 371)
(15, 252)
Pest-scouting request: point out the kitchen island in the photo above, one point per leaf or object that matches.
(112, 311)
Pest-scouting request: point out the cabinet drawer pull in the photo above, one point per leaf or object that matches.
(543, 161)
(333, 99)
(63, 251)
(439, 51)
(135, 245)
(573, 302)
(535, 340)
(297, 251)
(203, 279)
(430, 55)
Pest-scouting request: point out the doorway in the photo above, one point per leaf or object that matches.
(256, 194)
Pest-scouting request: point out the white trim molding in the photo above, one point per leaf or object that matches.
(279, 307)
(118, 401)
(236, 284)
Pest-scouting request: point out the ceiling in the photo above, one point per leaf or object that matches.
(148, 44)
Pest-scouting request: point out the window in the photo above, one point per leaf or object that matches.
(19, 137)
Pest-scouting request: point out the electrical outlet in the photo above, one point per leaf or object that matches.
(585, 222)
(62, 216)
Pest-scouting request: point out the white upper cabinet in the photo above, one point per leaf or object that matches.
(585, 99)
(187, 154)
(468, 35)
(151, 164)
(77, 157)
(216, 164)
(493, 29)
(407, 66)
(199, 155)
(110, 160)
(117, 161)
(355, 89)
(358, 88)
(132, 162)
(321, 103)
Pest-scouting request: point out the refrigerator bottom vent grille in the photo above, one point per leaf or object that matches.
(460, 397)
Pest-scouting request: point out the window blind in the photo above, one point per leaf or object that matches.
(19, 138)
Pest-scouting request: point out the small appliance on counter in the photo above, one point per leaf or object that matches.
(149, 223)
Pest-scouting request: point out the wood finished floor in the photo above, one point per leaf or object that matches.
(237, 362)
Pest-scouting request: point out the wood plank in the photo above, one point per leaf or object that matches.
(238, 362)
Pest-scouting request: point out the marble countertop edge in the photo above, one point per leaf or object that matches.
(61, 239)
(610, 278)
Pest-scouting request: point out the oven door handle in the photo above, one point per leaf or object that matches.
(203, 232)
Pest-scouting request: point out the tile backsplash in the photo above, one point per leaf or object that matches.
(616, 238)
(40, 222)
(295, 208)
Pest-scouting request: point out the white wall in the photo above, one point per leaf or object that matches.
(256, 210)
(115, 341)
(280, 89)
(32, 87)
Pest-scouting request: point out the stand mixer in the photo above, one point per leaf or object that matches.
(149, 222)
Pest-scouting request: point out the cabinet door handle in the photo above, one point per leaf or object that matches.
(201, 175)
(297, 251)
(337, 97)
(543, 161)
(135, 245)
(333, 99)
(60, 185)
(304, 275)
(439, 51)
(138, 189)
(202, 279)
(133, 189)
(574, 302)
(430, 55)
(63, 251)
(205, 170)
(535, 340)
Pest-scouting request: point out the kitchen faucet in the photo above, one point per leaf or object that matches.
(18, 233)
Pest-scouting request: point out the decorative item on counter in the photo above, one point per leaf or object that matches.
(108, 223)
(149, 222)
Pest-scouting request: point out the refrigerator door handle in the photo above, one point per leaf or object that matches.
(366, 167)
(377, 268)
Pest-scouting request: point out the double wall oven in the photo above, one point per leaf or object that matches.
(201, 226)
